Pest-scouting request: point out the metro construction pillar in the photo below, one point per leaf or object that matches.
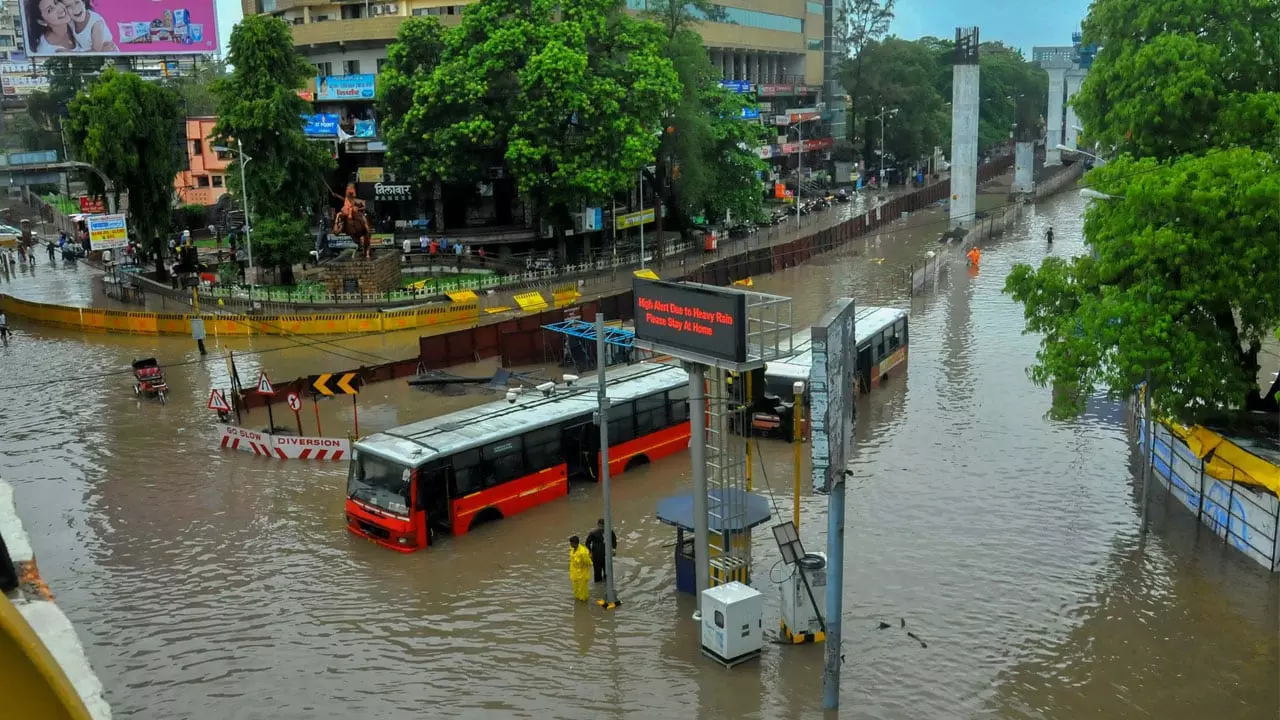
(1024, 165)
(1053, 121)
(1073, 78)
(964, 128)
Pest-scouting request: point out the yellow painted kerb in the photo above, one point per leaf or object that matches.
(31, 681)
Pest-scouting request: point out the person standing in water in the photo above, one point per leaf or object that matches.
(579, 570)
(595, 546)
(1048, 235)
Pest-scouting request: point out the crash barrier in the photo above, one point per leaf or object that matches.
(283, 447)
(453, 314)
(522, 341)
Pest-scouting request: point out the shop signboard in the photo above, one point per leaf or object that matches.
(392, 192)
(92, 204)
(634, 219)
(366, 128)
(320, 125)
(330, 88)
(107, 232)
(124, 28)
(819, 144)
(372, 174)
(776, 90)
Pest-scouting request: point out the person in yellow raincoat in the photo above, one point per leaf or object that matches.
(579, 569)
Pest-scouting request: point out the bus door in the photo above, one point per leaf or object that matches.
(865, 368)
(580, 440)
(434, 481)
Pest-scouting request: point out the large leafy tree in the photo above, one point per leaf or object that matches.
(129, 129)
(860, 23)
(568, 96)
(899, 74)
(1181, 281)
(412, 58)
(590, 106)
(195, 87)
(259, 112)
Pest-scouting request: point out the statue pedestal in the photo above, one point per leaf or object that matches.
(350, 273)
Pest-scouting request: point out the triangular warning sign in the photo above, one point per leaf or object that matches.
(218, 402)
(264, 385)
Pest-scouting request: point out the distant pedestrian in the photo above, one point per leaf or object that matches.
(50, 248)
(1048, 236)
(408, 247)
(595, 546)
(579, 570)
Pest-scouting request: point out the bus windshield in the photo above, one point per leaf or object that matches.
(380, 483)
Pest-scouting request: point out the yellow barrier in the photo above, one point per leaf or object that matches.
(646, 274)
(463, 296)
(148, 323)
(531, 301)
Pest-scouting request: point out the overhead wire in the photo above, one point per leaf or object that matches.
(288, 337)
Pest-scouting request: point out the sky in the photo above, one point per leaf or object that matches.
(1018, 23)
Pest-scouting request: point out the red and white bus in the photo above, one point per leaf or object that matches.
(449, 473)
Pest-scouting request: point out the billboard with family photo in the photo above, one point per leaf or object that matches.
(119, 27)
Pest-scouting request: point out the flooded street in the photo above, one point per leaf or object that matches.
(216, 584)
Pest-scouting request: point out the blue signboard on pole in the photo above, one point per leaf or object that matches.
(738, 86)
(750, 113)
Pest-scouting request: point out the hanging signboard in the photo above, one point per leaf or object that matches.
(831, 388)
(107, 232)
(629, 220)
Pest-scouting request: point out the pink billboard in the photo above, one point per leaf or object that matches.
(119, 27)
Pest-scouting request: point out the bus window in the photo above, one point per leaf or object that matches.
(542, 448)
(678, 403)
(901, 327)
(895, 341)
(467, 477)
(622, 423)
(651, 414)
(503, 460)
(877, 347)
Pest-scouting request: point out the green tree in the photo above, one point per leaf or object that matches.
(860, 24)
(195, 87)
(259, 113)
(1183, 274)
(1182, 285)
(899, 74)
(1181, 76)
(418, 49)
(568, 96)
(590, 106)
(128, 129)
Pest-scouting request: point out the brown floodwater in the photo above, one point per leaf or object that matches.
(214, 584)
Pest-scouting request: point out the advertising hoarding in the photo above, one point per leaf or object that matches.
(706, 321)
(107, 232)
(831, 387)
(630, 220)
(119, 27)
(320, 125)
(344, 87)
(22, 84)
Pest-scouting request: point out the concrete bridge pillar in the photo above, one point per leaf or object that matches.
(1053, 119)
(1024, 163)
(1074, 79)
(964, 128)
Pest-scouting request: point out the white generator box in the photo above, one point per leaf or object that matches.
(732, 623)
(799, 617)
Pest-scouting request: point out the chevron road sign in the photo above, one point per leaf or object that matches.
(336, 383)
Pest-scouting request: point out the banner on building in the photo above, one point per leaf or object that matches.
(344, 87)
(369, 174)
(121, 27)
(15, 85)
(320, 125)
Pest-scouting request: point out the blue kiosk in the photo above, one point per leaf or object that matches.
(677, 510)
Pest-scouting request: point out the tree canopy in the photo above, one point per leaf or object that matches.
(1182, 277)
(260, 113)
(414, 55)
(914, 76)
(568, 96)
(130, 130)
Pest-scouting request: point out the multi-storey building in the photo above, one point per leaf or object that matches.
(780, 51)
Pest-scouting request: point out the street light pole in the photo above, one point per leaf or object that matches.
(602, 398)
(248, 225)
(880, 117)
(799, 128)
